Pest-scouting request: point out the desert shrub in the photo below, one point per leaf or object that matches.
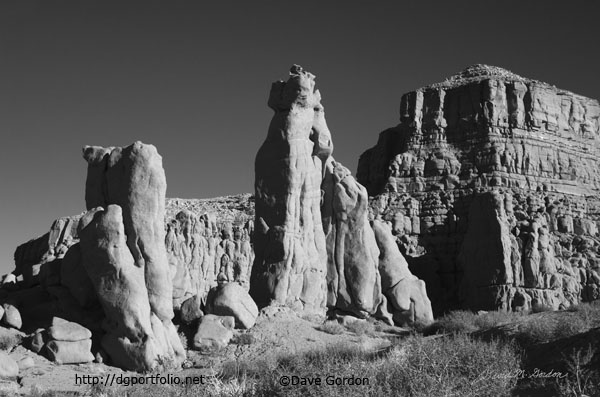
(184, 339)
(540, 308)
(588, 312)
(494, 318)
(546, 329)
(454, 322)
(458, 365)
(535, 331)
(461, 321)
(455, 365)
(361, 328)
(332, 327)
(584, 376)
(570, 325)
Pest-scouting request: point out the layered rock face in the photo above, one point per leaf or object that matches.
(489, 130)
(201, 252)
(289, 242)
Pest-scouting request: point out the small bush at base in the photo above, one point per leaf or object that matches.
(361, 328)
(332, 327)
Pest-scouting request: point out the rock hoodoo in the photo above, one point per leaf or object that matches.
(313, 240)
(123, 252)
(289, 242)
(106, 270)
(490, 182)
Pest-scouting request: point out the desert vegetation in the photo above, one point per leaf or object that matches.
(461, 354)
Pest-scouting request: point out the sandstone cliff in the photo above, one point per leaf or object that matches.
(488, 130)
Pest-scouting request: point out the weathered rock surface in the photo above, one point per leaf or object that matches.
(12, 317)
(353, 281)
(191, 309)
(406, 294)
(65, 352)
(200, 250)
(289, 242)
(214, 333)
(124, 254)
(68, 331)
(38, 340)
(233, 300)
(135, 337)
(26, 363)
(10, 337)
(8, 367)
(312, 219)
(52, 246)
(486, 130)
(134, 179)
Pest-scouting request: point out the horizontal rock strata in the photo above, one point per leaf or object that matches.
(489, 130)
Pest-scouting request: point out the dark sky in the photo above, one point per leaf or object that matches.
(192, 78)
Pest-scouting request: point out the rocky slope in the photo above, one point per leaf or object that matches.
(490, 182)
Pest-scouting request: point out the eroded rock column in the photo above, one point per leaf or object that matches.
(123, 252)
(289, 242)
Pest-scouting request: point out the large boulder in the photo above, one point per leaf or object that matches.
(68, 331)
(232, 300)
(214, 333)
(191, 309)
(65, 352)
(12, 317)
(289, 243)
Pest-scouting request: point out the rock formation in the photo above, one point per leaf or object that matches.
(106, 269)
(353, 281)
(200, 250)
(123, 252)
(406, 294)
(289, 242)
(133, 178)
(534, 148)
(313, 241)
(52, 246)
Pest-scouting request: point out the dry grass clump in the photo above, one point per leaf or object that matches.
(332, 327)
(454, 365)
(463, 321)
(361, 328)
